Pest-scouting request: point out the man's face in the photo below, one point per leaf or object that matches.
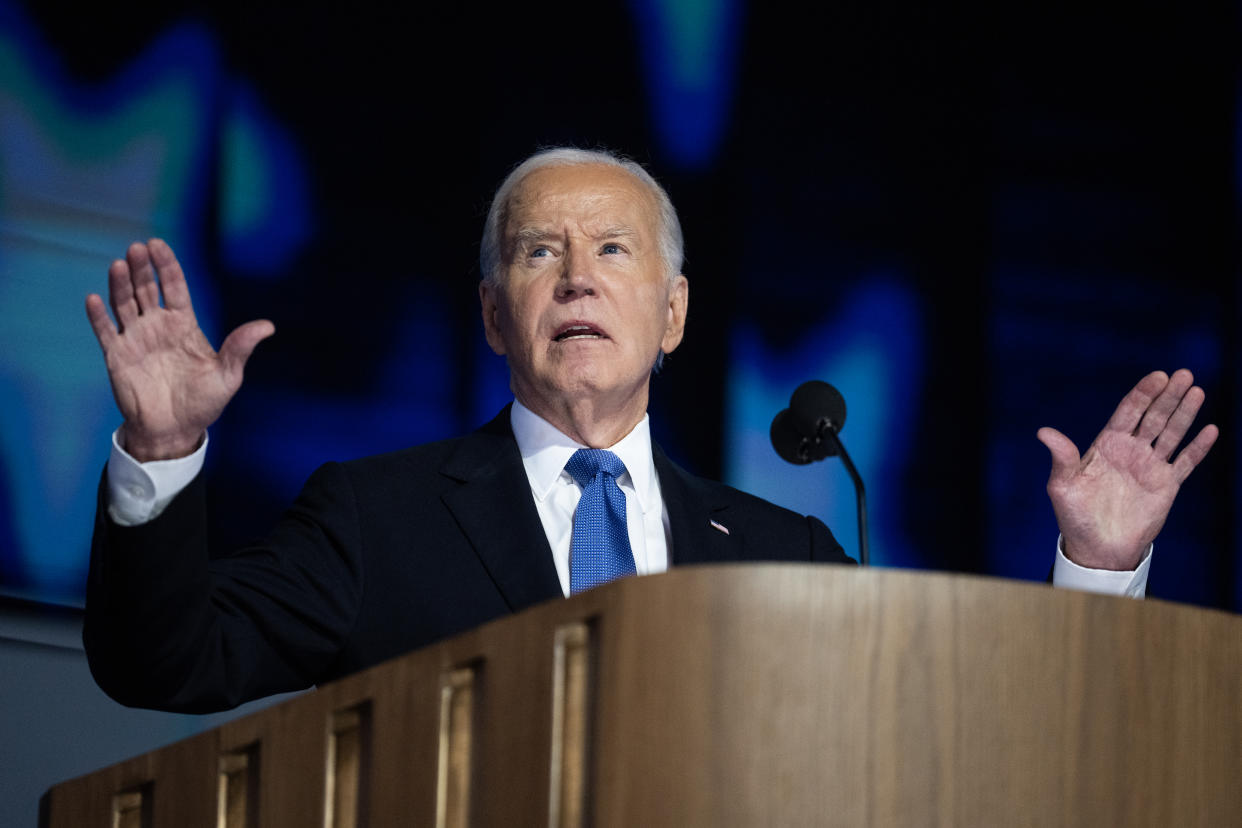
(583, 305)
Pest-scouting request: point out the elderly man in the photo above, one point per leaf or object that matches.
(582, 292)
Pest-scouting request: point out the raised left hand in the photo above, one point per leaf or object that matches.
(1112, 501)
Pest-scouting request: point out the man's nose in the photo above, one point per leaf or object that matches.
(577, 275)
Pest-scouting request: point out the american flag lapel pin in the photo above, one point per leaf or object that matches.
(719, 526)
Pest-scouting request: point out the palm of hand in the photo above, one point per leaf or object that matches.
(1116, 502)
(1112, 502)
(165, 375)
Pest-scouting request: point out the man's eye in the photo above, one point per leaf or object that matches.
(610, 249)
(540, 252)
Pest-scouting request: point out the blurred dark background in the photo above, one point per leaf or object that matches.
(973, 221)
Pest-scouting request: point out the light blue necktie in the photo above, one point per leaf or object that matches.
(599, 549)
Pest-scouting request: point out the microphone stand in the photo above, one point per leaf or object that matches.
(860, 493)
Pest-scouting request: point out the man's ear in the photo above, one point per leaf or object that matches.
(489, 298)
(678, 307)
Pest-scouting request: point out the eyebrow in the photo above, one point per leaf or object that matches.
(617, 231)
(529, 235)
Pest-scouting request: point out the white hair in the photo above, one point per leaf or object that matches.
(668, 229)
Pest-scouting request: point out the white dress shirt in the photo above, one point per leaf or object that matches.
(1131, 583)
(139, 492)
(545, 451)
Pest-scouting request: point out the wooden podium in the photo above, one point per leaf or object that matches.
(781, 695)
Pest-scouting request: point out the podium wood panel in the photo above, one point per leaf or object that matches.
(756, 695)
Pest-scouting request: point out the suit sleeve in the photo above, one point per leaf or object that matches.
(824, 546)
(170, 628)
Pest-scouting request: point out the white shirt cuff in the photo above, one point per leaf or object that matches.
(138, 492)
(1133, 584)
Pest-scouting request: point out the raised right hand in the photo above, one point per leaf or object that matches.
(168, 381)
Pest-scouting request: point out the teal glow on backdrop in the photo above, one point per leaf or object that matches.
(265, 205)
(689, 55)
(82, 173)
(870, 350)
(85, 169)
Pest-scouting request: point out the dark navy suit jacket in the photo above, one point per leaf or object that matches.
(376, 557)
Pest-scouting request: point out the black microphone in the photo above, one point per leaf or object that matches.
(808, 431)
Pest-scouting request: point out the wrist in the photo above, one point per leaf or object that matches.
(1104, 560)
(145, 447)
(1069, 574)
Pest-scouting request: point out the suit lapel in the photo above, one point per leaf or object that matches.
(495, 510)
(698, 525)
(493, 506)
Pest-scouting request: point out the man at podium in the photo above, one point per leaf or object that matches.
(582, 292)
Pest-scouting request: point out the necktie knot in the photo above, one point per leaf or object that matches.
(586, 464)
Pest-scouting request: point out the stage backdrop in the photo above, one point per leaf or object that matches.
(973, 222)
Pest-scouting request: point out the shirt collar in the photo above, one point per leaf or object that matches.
(545, 451)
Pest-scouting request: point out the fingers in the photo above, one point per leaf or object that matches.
(105, 331)
(1135, 404)
(1065, 456)
(1178, 424)
(1158, 413)
(142, 275)
(133, 287)
(1174, 402)
(240, 344)
(172, 278)
(1194, 453)
(121, 294)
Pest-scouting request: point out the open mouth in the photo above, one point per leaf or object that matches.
(568, 333)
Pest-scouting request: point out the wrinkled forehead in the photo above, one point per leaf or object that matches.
(585, 197)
